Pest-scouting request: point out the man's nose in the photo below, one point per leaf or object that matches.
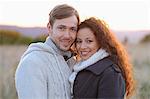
(67, 33)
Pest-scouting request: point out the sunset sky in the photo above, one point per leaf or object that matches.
(119, 14)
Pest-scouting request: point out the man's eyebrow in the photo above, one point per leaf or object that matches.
(74, 27)
(61, 25)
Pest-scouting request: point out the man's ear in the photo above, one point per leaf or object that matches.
(49, 28)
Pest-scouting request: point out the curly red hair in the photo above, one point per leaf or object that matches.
(109, 42)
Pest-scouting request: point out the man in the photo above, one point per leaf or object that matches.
(43, 72)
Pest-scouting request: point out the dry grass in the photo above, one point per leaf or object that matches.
(10, 56)
(140, 56)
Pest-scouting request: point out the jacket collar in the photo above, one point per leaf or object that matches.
(100, 66)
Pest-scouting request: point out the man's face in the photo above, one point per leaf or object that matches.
(63, 32)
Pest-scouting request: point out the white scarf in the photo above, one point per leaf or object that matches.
(100, 54)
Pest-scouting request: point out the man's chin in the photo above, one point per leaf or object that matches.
(65, 48)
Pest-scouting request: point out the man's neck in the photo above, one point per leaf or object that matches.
(66, 54)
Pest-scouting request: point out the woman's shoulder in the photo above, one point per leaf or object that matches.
(100, 66)
(106, 64)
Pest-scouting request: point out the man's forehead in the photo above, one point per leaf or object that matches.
(70, 21)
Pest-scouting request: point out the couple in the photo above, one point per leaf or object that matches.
(51, 70)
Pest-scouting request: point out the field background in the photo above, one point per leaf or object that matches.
(10, 56)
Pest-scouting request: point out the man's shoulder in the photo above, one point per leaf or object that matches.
(37, 54)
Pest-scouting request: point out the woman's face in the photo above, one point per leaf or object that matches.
(86, 43)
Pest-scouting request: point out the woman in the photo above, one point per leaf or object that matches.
(103, 70)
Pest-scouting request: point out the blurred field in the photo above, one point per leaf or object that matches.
(10, 56)
(140, 56)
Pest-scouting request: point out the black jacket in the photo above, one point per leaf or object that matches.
(102, 80)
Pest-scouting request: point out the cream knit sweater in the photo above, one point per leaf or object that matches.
(43, 73)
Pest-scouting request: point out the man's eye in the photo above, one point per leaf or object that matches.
(74, 29)
(61, 28)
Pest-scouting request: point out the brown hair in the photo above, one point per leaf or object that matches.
(62, 11)
(108, 41)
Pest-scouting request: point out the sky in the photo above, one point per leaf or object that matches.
(118, 14)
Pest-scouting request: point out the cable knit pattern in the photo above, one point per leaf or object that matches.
(43, 73)
(100, 54)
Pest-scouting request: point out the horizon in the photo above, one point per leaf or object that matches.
(133, 36)
(119, 15)
(46, 27)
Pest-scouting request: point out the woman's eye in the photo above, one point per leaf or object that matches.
(78, 41)
(89, 41)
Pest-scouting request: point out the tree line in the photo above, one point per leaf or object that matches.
(9, 37)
